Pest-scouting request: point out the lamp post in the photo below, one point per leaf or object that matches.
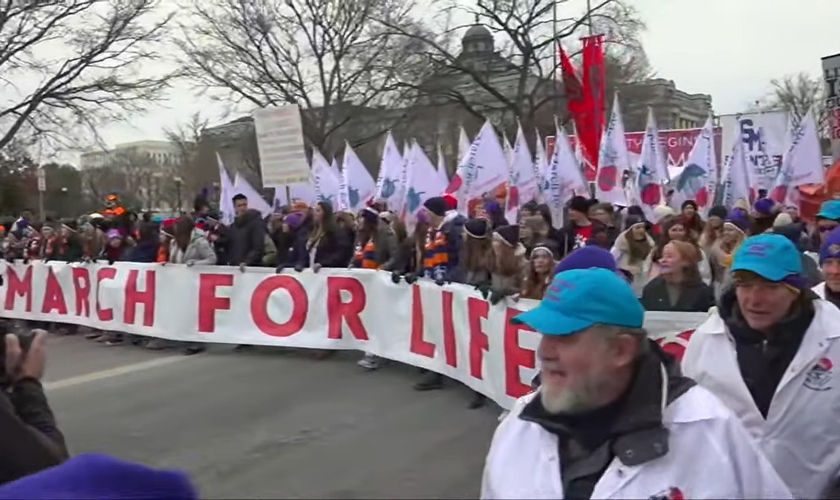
(178, 182)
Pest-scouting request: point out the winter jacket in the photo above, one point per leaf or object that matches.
(246, 239)
(29, 439)
(332, 250)
(198, 251)
(144, 251)
(698, 297)
(621, 251)
(443, 249)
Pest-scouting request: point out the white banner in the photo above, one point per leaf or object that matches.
(766, 139)
(449, 329)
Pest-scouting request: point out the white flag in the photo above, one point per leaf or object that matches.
(463, 145)
(613, 160)
(441, 167)
(389, 170)
(651, 171)
(358, 186)
(801, 164)
(564, 177)
(327, 182)
(482, 170)
(421, 184)
(226, 195)
(735, 176)
(522, 186)
(255, 199)
(698, 179)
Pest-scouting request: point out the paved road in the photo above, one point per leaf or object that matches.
(270, 423)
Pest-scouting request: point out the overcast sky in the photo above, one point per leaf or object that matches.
(729, 49)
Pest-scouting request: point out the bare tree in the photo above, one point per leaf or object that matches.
(327, 57)
(796, 94)
(186, 138)
(135, 175)
(516, 79)
(69, 64)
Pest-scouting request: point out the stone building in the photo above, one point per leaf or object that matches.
(450, 98)
(673, 108)
(144, 173)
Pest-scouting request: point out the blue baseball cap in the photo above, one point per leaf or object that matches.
(771, 256)
(830, 210)
(580, 298)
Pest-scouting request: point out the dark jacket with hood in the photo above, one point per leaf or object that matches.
(630, 429)
(567, 236)
(143, 251)
(246, 239)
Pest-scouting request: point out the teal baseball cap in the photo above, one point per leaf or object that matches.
(771, 256)
(830, 210)
(580, 298)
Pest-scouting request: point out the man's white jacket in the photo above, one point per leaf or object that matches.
(801, 436)
(710, 455)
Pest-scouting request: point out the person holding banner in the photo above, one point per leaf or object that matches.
(614, 417)
(768, 352)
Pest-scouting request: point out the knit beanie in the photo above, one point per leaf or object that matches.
(477, 228)
(738, 220)
(783, 219)
(830, 249)
(437, 205)
(764, 207)
(718, 211)
(99, 477)
(451, 201)
(661, 211)
(587, 258)
(295, 219)
(508, 234)
(689, 203)
(370, 214)
(580, 204)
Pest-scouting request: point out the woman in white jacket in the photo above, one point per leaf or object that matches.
(631, 249)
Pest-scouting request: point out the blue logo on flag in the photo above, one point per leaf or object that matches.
(413, 199)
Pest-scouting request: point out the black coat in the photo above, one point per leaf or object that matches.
(698, 297)
(246, 239)
(335, 249)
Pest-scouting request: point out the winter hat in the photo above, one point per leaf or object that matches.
(113, 234)
(783, 219)
(370, 214)
(742, 204)
(451, 201)
(585, 258)
(636, 210)
(423, 217)
(580, 204)
(492, 207)
(830, 210)
(99, 477)
(436, 205)
(737, 220)
(633, 220)
(477, 228)
(508, 235)
(764, 207)
(299, 206)
(689, 203)
(662, 211)
(830, 249)
(545, 247)
(295, 219)
(718, 211)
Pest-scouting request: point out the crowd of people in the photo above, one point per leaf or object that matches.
(759, 271)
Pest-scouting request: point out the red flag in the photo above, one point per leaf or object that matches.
(594, 87)
(580, 106)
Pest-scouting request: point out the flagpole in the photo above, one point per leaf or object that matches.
(554, 58)
(588, 15)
